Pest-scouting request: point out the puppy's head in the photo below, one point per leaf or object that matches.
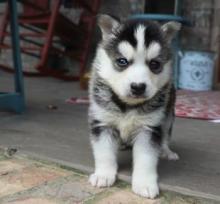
(134, 57)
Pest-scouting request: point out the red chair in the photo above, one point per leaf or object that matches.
(44, 21)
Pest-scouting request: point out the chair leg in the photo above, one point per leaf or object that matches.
(4, 24)
(49, 35)
(19, 86)
(90, 31)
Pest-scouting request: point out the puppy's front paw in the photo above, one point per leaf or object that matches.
(102, 180)
(146, 189)
(173, 156)
(170, 155)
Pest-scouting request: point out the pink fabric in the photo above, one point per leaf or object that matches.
(201, 105)
(79, 100)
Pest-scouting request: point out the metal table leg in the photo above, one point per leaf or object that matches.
(14, 101)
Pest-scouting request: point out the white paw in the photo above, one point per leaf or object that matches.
(168, 154)
(102, 180)
(148, 190)
(173, 156)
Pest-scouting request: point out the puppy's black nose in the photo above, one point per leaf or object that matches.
(138, 88)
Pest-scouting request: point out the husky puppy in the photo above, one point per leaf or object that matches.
(132, 100)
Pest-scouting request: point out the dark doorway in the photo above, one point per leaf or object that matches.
(159, 6)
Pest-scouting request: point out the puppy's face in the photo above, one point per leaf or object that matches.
(134, 57)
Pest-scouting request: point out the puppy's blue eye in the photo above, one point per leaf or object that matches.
(122, 62)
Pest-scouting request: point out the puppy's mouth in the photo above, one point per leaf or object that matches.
(137, 96)
(135, 99)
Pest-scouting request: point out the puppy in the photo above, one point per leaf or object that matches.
(132, 100)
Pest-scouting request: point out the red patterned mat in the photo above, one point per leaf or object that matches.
(77, 100)
(200, 105)
(189, 104)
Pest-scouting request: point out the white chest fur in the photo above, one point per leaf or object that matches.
(126, 123)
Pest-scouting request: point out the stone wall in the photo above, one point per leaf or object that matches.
(201, 14)
(215, 40)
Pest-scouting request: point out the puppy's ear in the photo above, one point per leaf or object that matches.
(170, 29)
(107, 25)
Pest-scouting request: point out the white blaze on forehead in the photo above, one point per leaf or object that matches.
(153, 50)
(140, 37)
(126, 49)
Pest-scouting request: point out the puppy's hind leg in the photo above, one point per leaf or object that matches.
(105, 149)
(167, 153)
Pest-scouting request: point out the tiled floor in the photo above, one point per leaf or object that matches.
(27, 181)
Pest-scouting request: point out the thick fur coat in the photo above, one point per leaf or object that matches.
(132, 100)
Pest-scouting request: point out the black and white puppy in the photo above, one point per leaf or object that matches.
(132, 100)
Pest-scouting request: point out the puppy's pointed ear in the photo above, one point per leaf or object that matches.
(170, 29)
(107, 25)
